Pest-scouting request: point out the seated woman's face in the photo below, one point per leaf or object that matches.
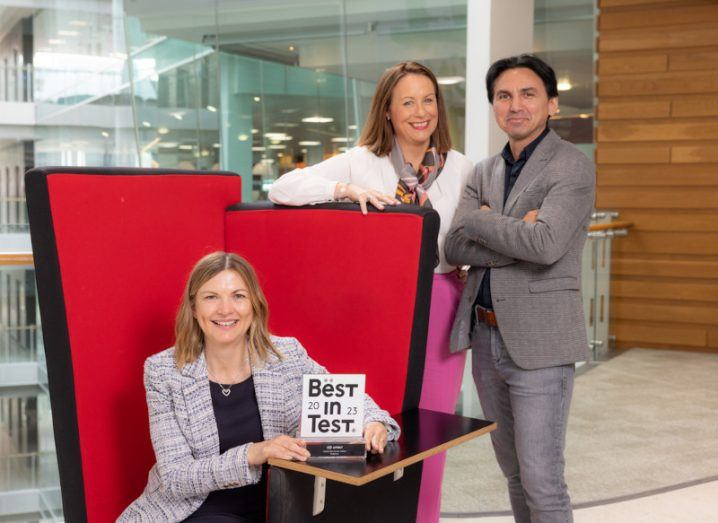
(223, 310)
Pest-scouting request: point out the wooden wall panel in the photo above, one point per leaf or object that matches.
(640, 333)
(676, 291)
(651, 131)
(693, 60)
(666, 312)
(657, 164)
(633, 154)
(670, 15)
(625, 110)
(656, 63)
(678, 221)
(672, 269)
(681, 243)
(656, 198)
(694, 153)
(697, 106)
(675, 83)
(657, 175)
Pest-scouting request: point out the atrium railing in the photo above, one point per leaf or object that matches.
(16, 83)
(596, 278)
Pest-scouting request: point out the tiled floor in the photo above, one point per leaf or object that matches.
(696, 504)
(642, 446)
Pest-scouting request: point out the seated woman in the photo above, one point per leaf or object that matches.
(225, 399)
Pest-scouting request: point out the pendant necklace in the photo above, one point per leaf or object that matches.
(226, 390)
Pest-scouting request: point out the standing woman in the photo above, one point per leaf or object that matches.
(404, 156)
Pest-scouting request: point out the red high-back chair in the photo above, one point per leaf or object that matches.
(113, 249)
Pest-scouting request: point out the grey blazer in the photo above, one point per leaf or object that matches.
(184, 431)
(535, 268)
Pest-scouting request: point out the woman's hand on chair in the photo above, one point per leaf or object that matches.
(282, 447)
(362, 196)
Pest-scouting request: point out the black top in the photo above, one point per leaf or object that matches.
(513, 169)
(238, 422)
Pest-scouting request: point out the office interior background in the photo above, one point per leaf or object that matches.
(261, 87)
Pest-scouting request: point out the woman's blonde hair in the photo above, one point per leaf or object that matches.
(378, 133)
(189, 338)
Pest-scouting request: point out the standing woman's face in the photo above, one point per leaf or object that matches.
(414, 111)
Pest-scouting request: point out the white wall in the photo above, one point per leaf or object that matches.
(494, 29)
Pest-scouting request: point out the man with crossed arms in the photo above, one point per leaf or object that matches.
(521, 226)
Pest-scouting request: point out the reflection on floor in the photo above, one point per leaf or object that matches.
(642, 434)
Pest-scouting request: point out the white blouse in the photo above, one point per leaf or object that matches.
(316, 184)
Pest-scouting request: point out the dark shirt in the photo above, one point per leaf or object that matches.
(511, 174)
(238, 422)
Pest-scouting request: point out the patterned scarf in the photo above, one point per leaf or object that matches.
(413, 185)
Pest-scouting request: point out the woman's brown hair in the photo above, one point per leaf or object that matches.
(378, 133)
(189, 338)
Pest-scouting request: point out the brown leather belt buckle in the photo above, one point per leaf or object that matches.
(486, 316)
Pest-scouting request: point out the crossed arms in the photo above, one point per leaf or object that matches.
(481, 237)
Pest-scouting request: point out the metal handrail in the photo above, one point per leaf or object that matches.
(16, 258)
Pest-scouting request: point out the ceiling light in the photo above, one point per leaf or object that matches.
(65, 32)
(186, 147)
(450, 80)
(242, 137)
(310, 143)
(278, 136)
(257, 149)
(55, 41)
(255, 131)
(257, 99)
(564, 84)
(291, 48)
(317, 119)
(178, 115)
(146, 124)
(163, 130)
(340, 139)
(215, 145)
(351, 127)
(277, 146)
(286, 125)
(168, 145)
(105, 134)
(212, 108)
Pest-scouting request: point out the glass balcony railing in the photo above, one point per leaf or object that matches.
(16, 83)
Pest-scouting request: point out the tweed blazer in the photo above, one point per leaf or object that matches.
(184, 433)
(535, 268)
(316, 184)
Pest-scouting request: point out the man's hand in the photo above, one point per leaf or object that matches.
(485, 207)
(531, 216)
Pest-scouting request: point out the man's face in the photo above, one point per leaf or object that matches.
(521, 104)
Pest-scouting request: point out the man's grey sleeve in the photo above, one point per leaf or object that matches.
(562, 213)
(459, 248)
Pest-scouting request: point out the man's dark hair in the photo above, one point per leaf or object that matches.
(529, 61)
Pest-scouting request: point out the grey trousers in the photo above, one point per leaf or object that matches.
(531, 410)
